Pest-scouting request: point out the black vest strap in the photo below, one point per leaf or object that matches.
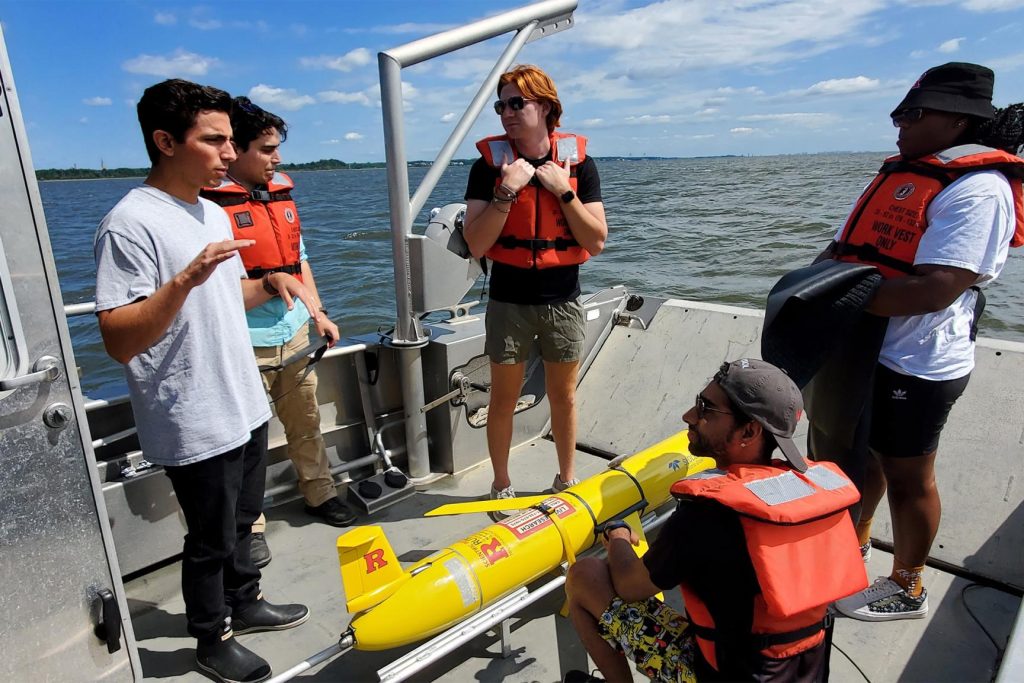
(943, 175)
(558, 244)
(223, 199)
(267, 196)
(870, 253)
(291, 269)
(762, 641)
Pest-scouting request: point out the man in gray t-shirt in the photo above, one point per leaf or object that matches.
(176, 320)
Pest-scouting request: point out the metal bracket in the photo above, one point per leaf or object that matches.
(551, 27)
(461, 386)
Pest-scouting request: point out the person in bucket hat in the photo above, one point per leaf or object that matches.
(937, 222)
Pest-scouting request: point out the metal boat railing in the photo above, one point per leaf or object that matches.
(529, 23)
(272, 494)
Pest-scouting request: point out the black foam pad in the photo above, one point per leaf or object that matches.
(370, 489)
(395, 479)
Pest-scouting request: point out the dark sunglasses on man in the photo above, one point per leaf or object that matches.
(515, 103)
(703, 406)
(907, 116)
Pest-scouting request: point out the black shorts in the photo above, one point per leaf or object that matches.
(908, 413)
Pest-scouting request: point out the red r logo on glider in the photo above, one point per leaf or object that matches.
(375, 560)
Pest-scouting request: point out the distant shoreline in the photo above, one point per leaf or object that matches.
(61, 174)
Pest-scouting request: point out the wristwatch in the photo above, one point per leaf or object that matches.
(568, 196)
(610, 526)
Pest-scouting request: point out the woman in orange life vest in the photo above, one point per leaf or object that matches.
(534, 208)
(937, 221)
(756, 604)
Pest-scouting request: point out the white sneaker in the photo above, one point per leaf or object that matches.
(557, 486)
(884, 600)
(503, 494)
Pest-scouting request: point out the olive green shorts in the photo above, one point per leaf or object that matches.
(511, 329)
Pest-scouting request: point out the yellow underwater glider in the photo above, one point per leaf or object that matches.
(395, 606)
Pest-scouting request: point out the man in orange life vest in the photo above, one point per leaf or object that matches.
(744, 546)
(258, 201)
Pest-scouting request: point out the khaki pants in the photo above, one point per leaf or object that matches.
(298, 412)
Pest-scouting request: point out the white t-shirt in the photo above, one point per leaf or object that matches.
(196, 392)
(969, 226)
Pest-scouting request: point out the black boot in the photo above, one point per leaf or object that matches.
(332, 511)
(263, 616)
(259, 550)
(227, 660)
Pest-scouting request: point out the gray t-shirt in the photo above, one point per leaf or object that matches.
(196, 392)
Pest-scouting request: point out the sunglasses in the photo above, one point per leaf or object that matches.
(907, 116)
(704, 407)
(515, 103)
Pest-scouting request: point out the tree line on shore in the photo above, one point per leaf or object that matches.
(321, 165)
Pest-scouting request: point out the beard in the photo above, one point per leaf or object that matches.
(701, 447)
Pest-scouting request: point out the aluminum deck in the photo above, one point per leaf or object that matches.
(946, 645)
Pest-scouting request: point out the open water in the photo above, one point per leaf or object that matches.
(715, 229)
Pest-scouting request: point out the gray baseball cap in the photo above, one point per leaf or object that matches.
(767, 395)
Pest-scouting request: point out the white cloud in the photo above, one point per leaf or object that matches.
(354, 136)
(339, 97)
(279, 98)
(179, 64)
(448, 117)
(165, 19)
(408, 27)
(843, 86)
(704, 136)
(651, 43)
(805, 119)
(348, 61)
(951, 45)
(592, 122)
(741, 131)
(97, 101)
(205, 24)
(332, 141)
(992, 5)
(648, 118)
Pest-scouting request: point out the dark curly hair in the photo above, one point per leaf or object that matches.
(1004, 131)
(248, 121)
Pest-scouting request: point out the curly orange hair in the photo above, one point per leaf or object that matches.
(535, 85)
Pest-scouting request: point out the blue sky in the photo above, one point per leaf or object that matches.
(669, 78)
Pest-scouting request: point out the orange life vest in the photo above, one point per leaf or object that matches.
(889, 219)
(268, 216)
(802, 545)
(536, 232)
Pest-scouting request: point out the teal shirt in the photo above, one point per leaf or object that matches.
(272, 324)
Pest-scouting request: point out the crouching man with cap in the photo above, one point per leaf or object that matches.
(759, 548)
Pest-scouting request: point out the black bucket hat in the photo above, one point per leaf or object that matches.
(956, 87)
